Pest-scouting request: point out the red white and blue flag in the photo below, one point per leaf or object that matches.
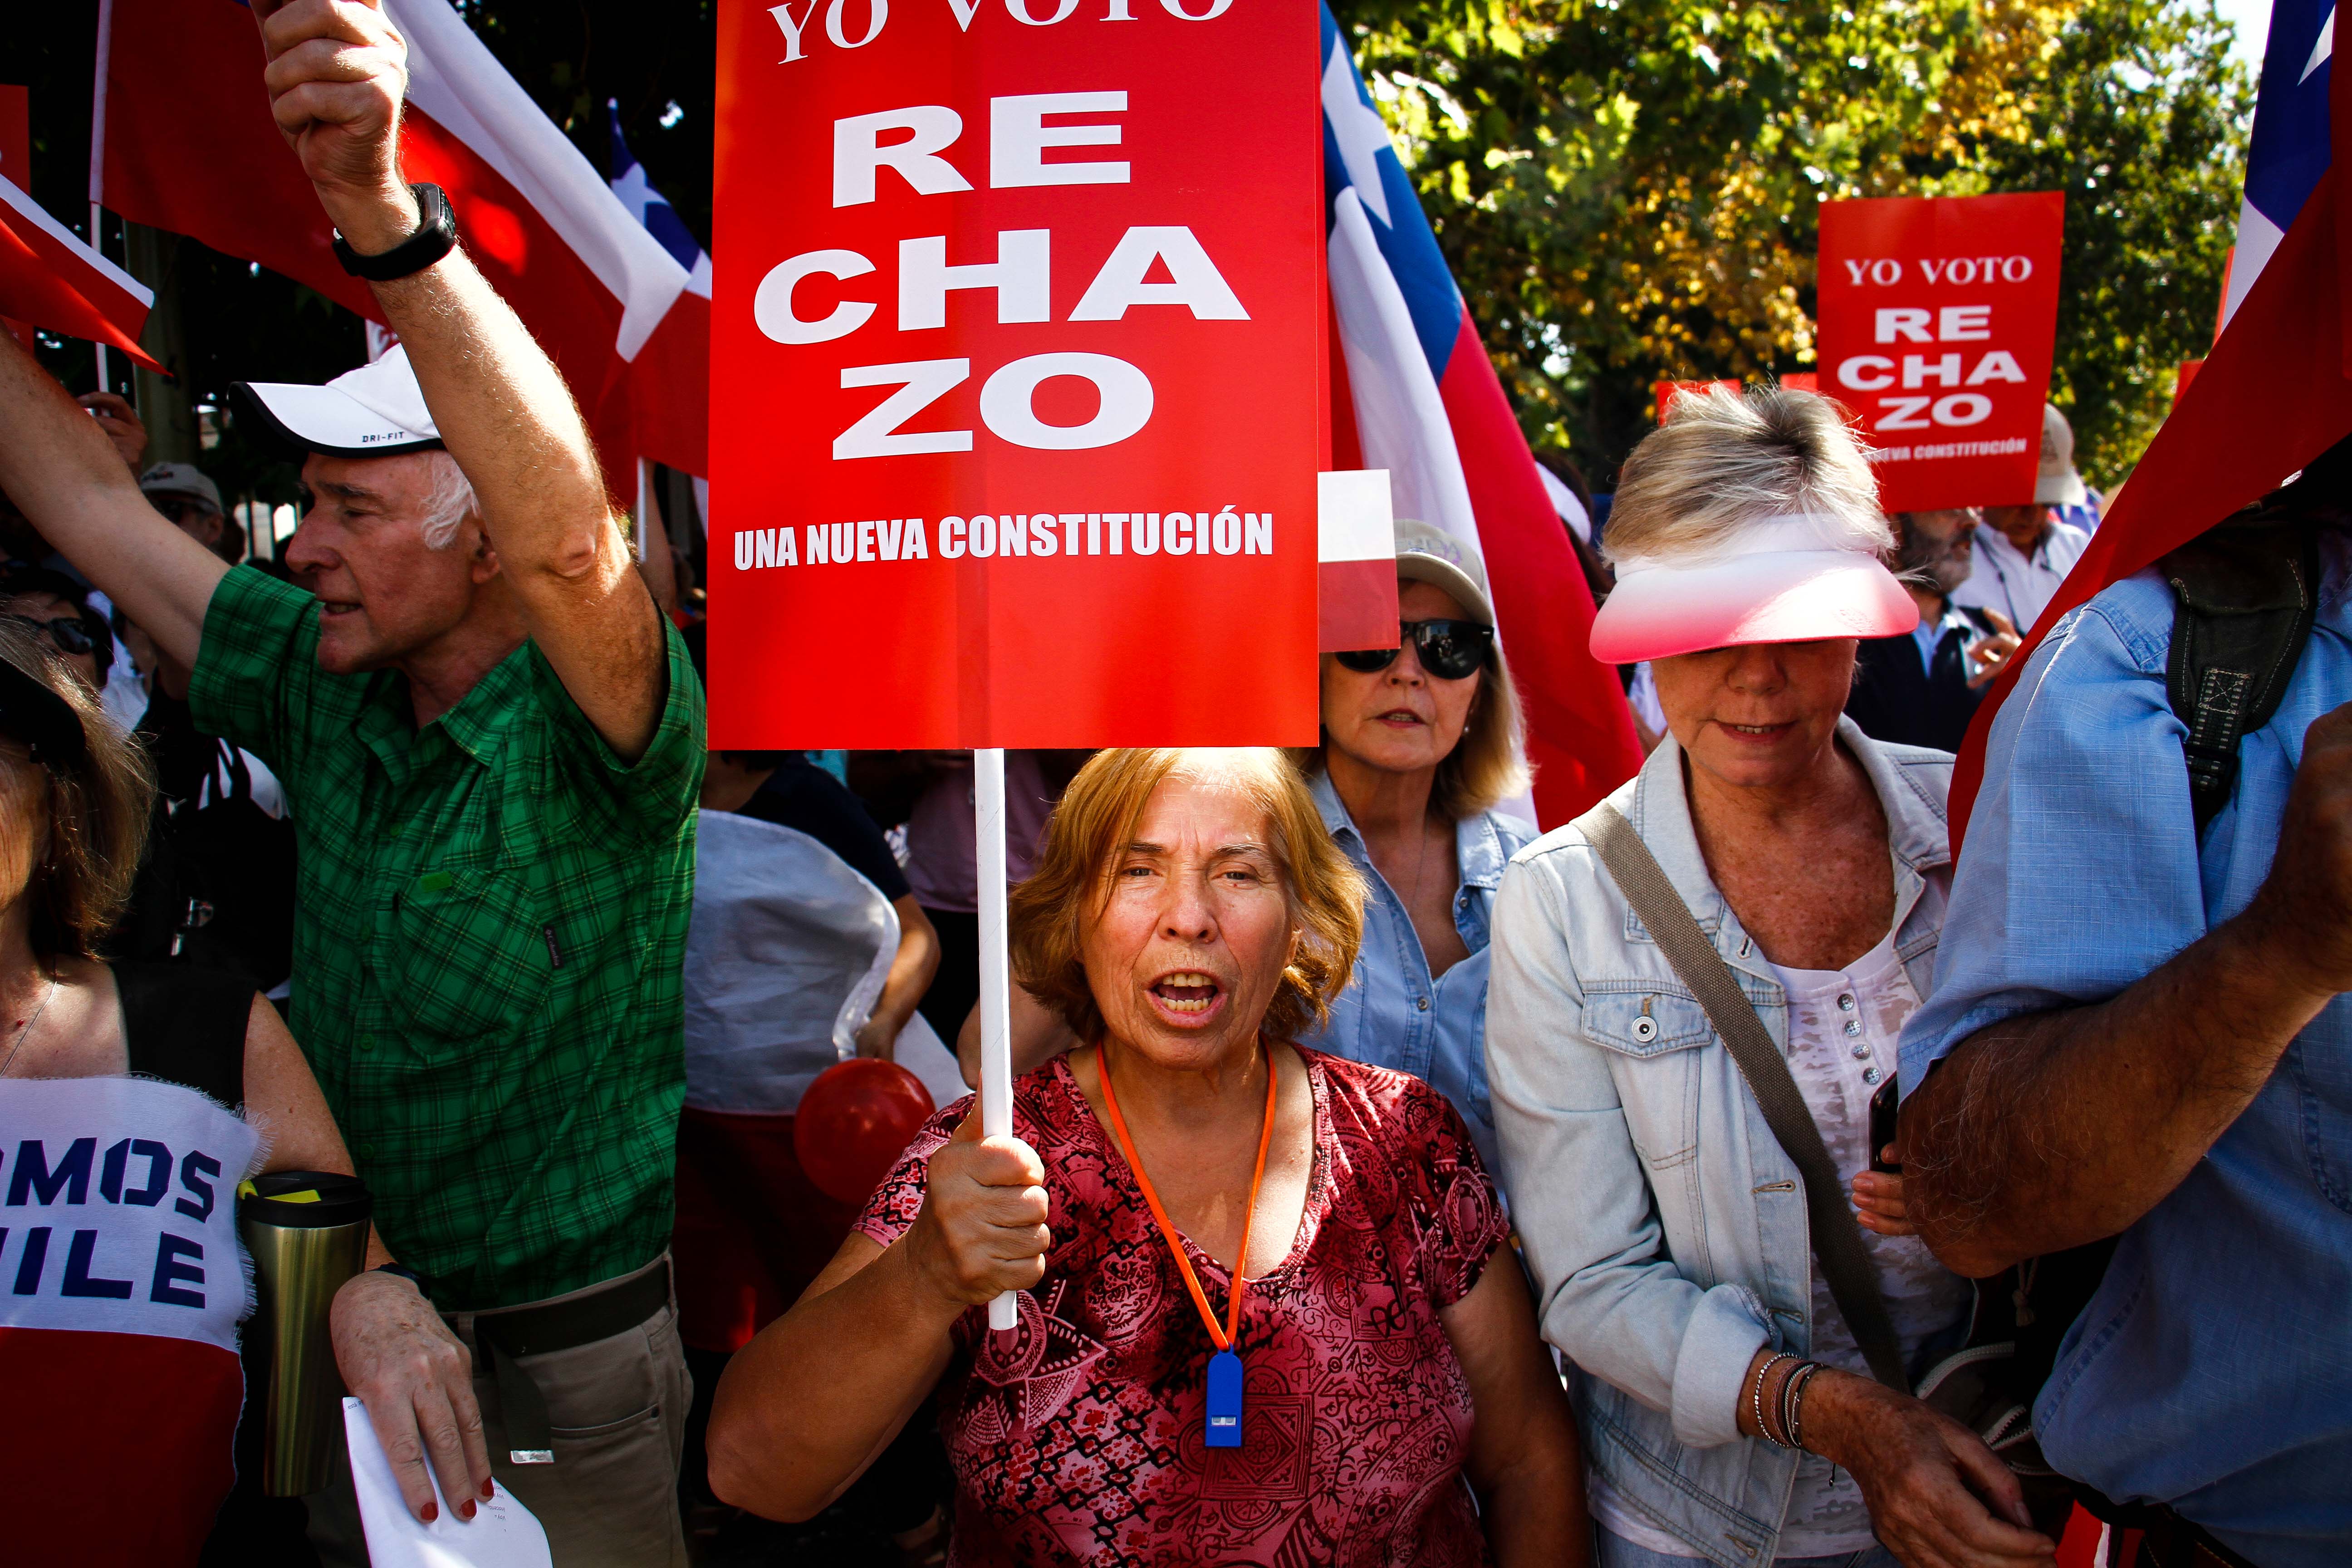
(49, 277)
(652, 208)
(2288, 152)
(1412, 392)
(2276, 391)
(625, 321)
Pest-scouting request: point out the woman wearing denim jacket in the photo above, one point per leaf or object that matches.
(1419, 743)
(1665, 1228)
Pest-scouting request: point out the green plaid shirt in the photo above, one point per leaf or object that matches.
(490, 927)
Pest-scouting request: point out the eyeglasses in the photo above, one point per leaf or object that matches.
(66, 632)
(1450, 650)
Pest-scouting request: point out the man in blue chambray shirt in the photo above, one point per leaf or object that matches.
(2135, 1033)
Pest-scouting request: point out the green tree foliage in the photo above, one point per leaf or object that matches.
(1628, 190)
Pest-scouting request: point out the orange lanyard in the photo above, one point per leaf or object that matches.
(1225, 1336)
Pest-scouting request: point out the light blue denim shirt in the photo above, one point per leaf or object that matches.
(1392, 1014)
(2213, 1370)
(1664, 1225)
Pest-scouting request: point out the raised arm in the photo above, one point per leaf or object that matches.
(336, 77)
(2055, 1130)
(68, 481)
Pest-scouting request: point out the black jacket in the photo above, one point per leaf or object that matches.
(1895, 701)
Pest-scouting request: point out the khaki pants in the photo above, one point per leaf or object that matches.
(617, 1409)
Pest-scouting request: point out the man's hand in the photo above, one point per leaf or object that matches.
(1937, 1496)
(982, 1229)
(2303, 913)
(1991, 655)
(338, 72)
(416, 1381)
(121, 424)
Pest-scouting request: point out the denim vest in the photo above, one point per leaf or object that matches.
(1663, 1226)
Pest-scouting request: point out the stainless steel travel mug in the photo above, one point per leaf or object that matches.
(307, 1234)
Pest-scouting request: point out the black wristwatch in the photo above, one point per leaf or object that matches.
(435, 237)
(411, 1275)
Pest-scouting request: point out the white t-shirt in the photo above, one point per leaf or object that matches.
(1844, 1026)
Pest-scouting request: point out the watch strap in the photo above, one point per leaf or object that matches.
(411, 1275)
(435, 237)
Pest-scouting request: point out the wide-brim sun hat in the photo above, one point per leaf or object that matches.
(374, 410)
(1778, 580)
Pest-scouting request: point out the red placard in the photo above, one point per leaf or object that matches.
(1663, 392)
(1938, 319)
(1015, 373)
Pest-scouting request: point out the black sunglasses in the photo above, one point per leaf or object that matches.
(66, 632)
(1450, 650)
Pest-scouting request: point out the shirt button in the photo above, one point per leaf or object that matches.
(1870, 1074)
(366, 1043)
(1421, 1002)
(364, 1150)
(1846, 1003)
(1853, 1028)
(1859, 1052)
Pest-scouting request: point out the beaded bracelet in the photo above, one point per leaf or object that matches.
(1792, 1402)
(1756, 1395)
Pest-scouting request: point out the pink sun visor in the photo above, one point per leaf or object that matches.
(1775, 581)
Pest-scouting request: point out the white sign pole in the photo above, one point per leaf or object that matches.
(995, 977)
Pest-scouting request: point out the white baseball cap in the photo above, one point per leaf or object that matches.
(372, 412)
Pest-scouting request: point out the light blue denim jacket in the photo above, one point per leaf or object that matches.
(1392, 1014)
(1665, 1227)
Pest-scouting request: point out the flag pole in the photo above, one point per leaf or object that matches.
(995, 977)
(644, 490)
(97, 147)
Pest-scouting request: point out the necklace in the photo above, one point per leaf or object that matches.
(1224, 1383)
(25, 1027)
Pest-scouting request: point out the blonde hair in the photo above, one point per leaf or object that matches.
(1487, 766)
(1096, 821)
(1724, 459)
(97, 811)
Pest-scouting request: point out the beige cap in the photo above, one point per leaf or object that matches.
(2057, 483)
(1431, 555)
(180, 480)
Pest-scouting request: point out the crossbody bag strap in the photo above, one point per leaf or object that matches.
(1837, 1237)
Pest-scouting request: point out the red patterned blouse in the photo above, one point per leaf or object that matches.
(1077, 1438)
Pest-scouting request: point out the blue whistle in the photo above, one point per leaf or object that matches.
(1224, 1400)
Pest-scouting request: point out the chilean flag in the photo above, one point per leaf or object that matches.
(1412, 392)
(626, 322)
(652, 208)
(2276, 391)
(2289, 148)
(49, 278)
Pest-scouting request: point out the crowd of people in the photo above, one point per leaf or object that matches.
(1728, 1176)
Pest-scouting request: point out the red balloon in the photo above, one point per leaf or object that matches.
(855, 1121)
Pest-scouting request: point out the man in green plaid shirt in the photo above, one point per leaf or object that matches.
(492, 743)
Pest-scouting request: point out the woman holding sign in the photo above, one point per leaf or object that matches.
(1269, 1310)
(135, 1097)
(1698, 988)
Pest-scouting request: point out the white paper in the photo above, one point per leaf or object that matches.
(501, 1534)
